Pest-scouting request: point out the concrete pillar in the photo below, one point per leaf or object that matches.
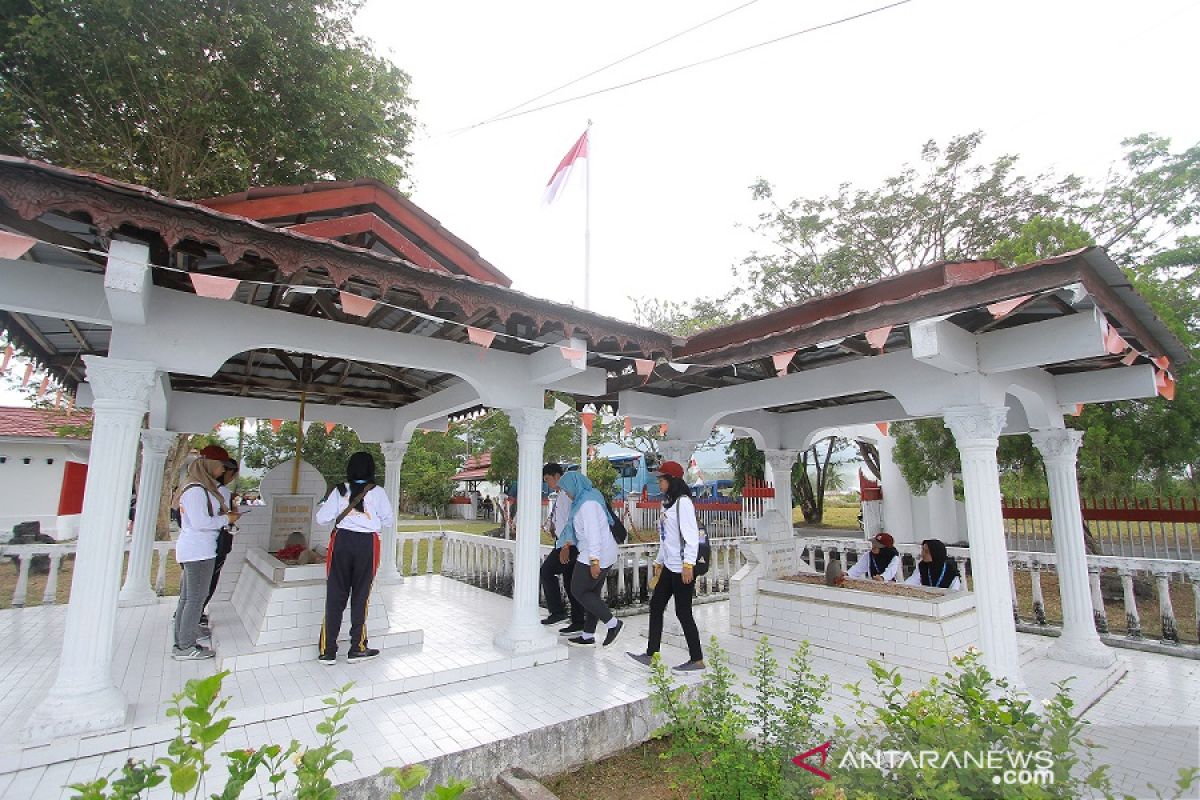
(1079, 643)
(393, 459)
(677, 450)
(525, 633)
(137, 590)
(84, 697)
(976, 432)
(780, 463)
(897, 497)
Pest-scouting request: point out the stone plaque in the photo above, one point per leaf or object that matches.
(289, 514)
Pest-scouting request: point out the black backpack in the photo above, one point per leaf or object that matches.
(703, 550)
(615, 526)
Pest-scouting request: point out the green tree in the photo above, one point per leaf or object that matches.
(430, 463)
(199, 97)
(495, 433)
(603, 475)
(327, 452)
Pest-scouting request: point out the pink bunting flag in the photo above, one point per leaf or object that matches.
(215, 286)
(329, 426)
(1162, 362)
(70, 405)
(1006, 307)
(1114, 343)
(1078, 410)
(644, 367)
(58, 398)
(588, 419)
(883, 427)
(1130, 357)
(8, 354)
(1165, 384)
(356, 306)
(14, 245)
(28, 375)
(572, 353)
(628, 425)
(481, 337)
(662, 429)
(276, 424)
(782, 360)
(45, 385)
(877, 337)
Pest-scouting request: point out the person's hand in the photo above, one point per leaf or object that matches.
(687, 573)
(564, 555)
(595, 570)
(233, 517)
(877, 578)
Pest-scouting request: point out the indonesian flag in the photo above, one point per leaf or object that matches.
(563, 172)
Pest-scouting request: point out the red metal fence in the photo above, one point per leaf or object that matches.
(1158, 528)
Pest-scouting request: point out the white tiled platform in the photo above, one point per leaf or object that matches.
(1148, 720)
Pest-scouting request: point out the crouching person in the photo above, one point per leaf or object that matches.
(359, 510)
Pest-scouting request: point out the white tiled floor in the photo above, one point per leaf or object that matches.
(400, 722)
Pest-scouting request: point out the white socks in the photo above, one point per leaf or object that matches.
(612, 623)
(587, 637)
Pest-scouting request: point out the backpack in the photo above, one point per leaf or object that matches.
(703, 550)
(615, 526)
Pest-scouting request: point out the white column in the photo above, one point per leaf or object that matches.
(84, 696)
(781, 463)
(976, 432)
(897, 497)
(137, 590)
(1079, 643)
(525, 633)
(677, 450)
(393, 459)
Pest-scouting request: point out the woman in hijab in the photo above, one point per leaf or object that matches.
(935, 569)
(882, 563)
(202, 514)
(589, 519)
(359, 511)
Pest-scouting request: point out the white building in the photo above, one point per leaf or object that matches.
(42, 474)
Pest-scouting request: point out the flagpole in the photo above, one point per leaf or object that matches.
(587, 224)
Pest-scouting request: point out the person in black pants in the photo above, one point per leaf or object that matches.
(678, 547)
(359, 510)
(225, 537)
(562, 559)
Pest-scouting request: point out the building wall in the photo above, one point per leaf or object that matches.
(31, 492)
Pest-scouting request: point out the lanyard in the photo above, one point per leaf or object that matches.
(938, 583)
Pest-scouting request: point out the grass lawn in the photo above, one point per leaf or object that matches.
(635, 774)
(836, 518)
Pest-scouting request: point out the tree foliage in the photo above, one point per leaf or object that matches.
(432, 460)
(198, 97)
(495, 432)
(327, 452)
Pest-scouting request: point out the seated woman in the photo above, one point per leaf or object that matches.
(881, 564)
(935, 569)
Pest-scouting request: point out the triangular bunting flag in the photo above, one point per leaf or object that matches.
(304, 428)
(14, 245)
(215, 286)
(628, 425)
(276, 424)
(883, 427)
(28, 375)
(45, 385)
(1162, 362)
(782, 360)
(480, 337)
(572, 353)
(662, 429)
(1130, 357)
(329, 426)
(8, 354)
(877, 337)
(1114, 343)
(1165, 384)
(678, 367)
(70, 405)
(355, 305)
(58, 398)
(588, 419)
(1006, 307)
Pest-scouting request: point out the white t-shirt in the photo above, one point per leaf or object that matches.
(863, 568)
(198, 529)
(376, 513)
(677, 525)
(593, 535)
(559, 516)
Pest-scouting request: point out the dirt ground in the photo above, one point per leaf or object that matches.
(638, 773)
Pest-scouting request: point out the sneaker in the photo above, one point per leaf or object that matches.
(579, 641)
(554, 618)
(643, 659)
(204, 620)
(194, 653)
(327, 659)
(611, 636)
(689, 667)
(571, 630)
(366, 654)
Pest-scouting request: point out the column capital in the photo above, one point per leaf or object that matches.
(981, 423)
(120, 383)
(157, 442)
(1057, 443)
(679, 450)
(531, 422)
(781, 459)
(393, 451)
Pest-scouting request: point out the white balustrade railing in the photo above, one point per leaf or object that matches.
(22, 555)
(1164, 572)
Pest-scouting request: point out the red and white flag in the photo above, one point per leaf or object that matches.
(559, 179)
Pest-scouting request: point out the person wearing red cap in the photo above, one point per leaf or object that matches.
(225, 537)
(203, 512)
(882, 563)
(678, 548)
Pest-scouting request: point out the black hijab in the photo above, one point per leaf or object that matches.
(360, 470)
(877, 563)
(676, 488)
(941, 569)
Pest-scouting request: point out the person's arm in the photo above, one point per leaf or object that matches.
(861, 567)
(689, 530)
(383, 507)
(892, 570)
(332, 506)
(194, 510)
(914, 579)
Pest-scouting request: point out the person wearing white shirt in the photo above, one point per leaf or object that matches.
(936, 569)
(562, 559)
(202, 515)
(589, 522)
(359, 510)
(881, 563)
(678, 547)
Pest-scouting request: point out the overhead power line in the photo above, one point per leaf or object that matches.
(612, 64)
(684, 67)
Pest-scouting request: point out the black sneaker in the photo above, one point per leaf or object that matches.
(611, 636)
(554, 618)
(643, 659)
(366, 654)
(327, 659)
(204, 619)
(579, 641)
(689, 667)
(571, 630)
